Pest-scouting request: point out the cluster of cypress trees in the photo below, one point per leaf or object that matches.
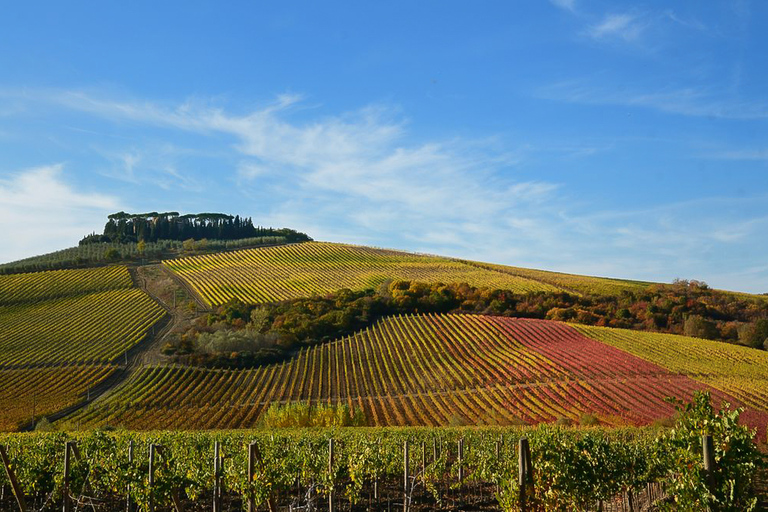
(125, 227)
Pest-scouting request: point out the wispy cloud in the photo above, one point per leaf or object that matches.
(628, 27)
(41, 212)
(568, 5)
(691, 23)
(741, 154)
(356, 177)
(691, 101)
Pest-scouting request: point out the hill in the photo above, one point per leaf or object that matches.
(441, 370)
(292, 271)
(413, 352)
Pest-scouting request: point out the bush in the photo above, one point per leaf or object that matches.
(754, 334)
(44, 425)
(302, 414)
(736, 458)
(699, 327)
(112, 254)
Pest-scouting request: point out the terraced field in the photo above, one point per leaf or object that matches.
(420, 370)
(292, 271)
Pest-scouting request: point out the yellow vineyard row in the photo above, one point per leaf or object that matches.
(299, 270)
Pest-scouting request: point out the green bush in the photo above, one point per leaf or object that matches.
(736, 458)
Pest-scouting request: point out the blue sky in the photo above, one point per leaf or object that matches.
(610, 138)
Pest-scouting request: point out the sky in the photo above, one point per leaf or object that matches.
(623, 139)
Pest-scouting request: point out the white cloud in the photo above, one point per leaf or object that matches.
(628, 27)
(40, 212)
(568, 5)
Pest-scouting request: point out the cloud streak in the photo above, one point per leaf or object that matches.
(628, 27)
(691, 101)
(568, 5)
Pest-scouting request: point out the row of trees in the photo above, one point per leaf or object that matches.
(125, 227)
(239, 334)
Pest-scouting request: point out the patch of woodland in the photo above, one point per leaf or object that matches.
(244, 335)
(153, 236)
(125, 227)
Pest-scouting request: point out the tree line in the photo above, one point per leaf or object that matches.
(243, 335)
(122, 227)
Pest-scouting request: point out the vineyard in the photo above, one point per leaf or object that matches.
(84, 328)
(739, 371)
(61, 333)
(299, 270)
(29, 393)
(96, 253)
(574, 283)
(61, 283)
(420, 370)
(408, 469)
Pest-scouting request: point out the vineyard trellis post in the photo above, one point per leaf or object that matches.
(406, 476)
(708, 453)
(460, 458)
(525, 471)
(330, 474)
(128, 501)
(216, 478)
(251, 473)
(17, 492)
(151, 477)
(67, 505)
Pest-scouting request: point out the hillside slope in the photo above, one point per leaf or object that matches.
(423, 370)
(63, 333)
(299, 270)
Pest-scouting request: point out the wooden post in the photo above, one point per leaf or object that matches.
(251, 473)
(17, 492)
(330, 472)
(67, 505)
(460, 456)
(128, 501)
(708, 452)
(525, 473)
(406, 476)
(216, 468)
(708, 448)
(151, 477)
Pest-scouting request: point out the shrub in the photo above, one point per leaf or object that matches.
(303, 414)
(754, 334)
(699, 327)
(736, 458)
